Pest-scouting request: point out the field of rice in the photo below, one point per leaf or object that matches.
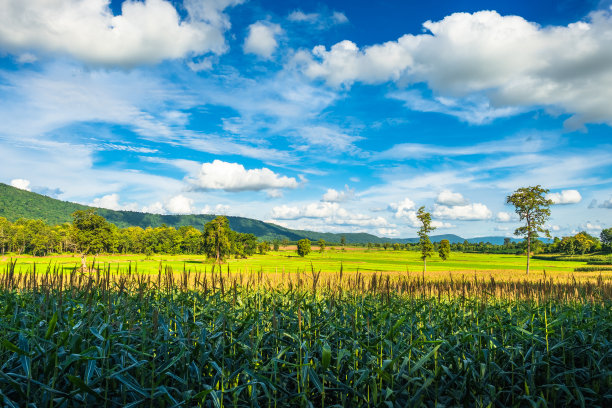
(351, 260)
(113, 336)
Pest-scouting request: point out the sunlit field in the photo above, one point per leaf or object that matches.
(351, 260)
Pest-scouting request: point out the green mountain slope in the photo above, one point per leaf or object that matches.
(16, 203)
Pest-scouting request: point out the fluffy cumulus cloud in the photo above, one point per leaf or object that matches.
(503, 216)
(111, 202)
(469, 212)
(21, 184)
(262, 39)
(442, 224)
(145, 32)
(335, 196)
(403, 208)
(511, 62)
(447, 197)
(329, 213)
(220, 175)
(565, 197)
(179, 205)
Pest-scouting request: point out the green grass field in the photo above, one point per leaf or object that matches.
(502, 267)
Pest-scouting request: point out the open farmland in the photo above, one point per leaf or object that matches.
(351, 260)
(117, 338)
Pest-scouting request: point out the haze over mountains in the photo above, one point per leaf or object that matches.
(16, 203)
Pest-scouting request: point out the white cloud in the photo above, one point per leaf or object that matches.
(335, 196)
(329, 213)
(339, 17)
(441, 224)
(285, 212)
(144, 33)
(447, 197)
(388, 232)
(26, 58)
(510, 62)
(274, 193)
(403, 208)
(591, 227)
(300, 16)
(565, 197)
(469, 212)
(475, 109)
(606, 204)
(321, 21)
(179, 205)
(21, 184)
(503, 216)
(220, 175)
(261, 39)
(155, 208)
(111, 202)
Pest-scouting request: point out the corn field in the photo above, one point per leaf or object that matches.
(109, 338)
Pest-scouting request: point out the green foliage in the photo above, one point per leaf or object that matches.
(158, 344)
(606, 238)
(303, 247)
(425, 244)
(532, 206)
(92, 234)
(321, 244)
(217, 239)
(444, 250)
(263, 247)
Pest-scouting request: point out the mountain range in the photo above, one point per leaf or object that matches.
(16, 203)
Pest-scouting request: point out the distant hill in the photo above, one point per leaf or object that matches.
(16, 203)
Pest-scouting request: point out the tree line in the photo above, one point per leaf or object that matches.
(90, 233)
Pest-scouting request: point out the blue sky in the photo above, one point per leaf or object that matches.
(338, 116)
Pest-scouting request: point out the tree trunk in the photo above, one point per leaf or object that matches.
(83, 262)
(424, 268)
(528, 251)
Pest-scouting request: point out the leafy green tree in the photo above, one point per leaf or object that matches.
(532, 206)
(91, 233)
(5, 233)
(303, 247)
(217, 243)
(343, 240)
(263, 247)
(425, 244)
(606, 238)
(567, 245)
(275, 245)
(444, 249)
(321, 244)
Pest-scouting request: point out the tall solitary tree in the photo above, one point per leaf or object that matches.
(217, 241)
(532, 207)
(427, 247)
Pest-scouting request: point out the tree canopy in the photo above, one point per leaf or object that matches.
(425, 244)
(532, 207)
